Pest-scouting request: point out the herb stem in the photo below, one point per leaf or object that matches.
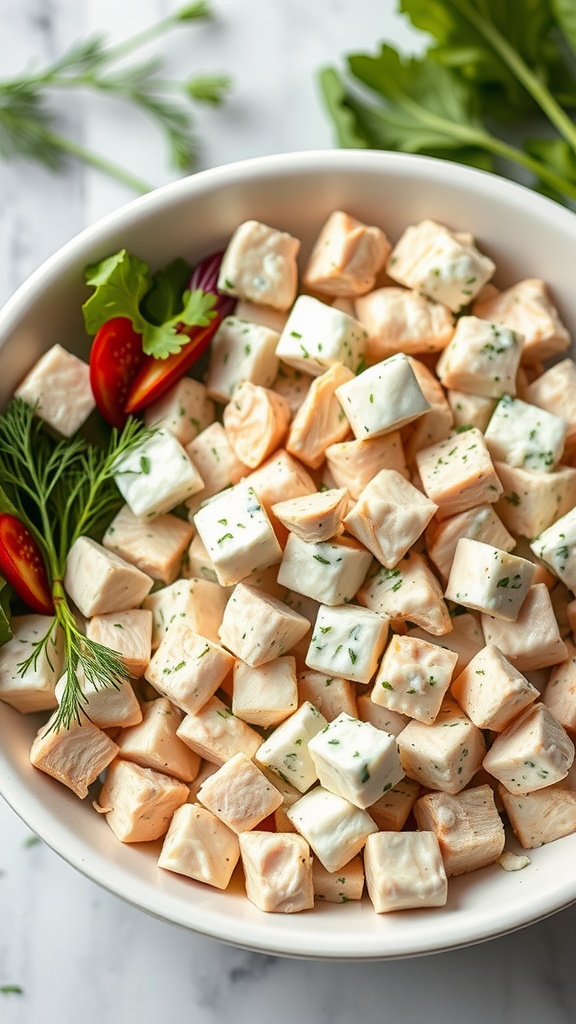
(155, 30)
(502, 149)
(100, 163)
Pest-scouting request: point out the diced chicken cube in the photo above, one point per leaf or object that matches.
(200, 846)
(389, 516)
(465, 638)
(434, 425)
(256, 421)
(382, 398)
(444, 755)
(320, 420)
(241, 351)
(285, 751)
(339, 886)
(467, 826)
(156, 547)
(74, 756)
(260, 265)
(257, 314)
(266, 695)
(239, 794)
(33, 689)
(184, 409)
(542, 816)
(279, 478)
(330, 694)
(525, 436)
(127, 633)
(534, 640)
(258, 628)
(138, 803)
(316, 336)
(99, 581)
(353, 464)
(156, 475)
(556, 546)
(392, 810)
(196, 603)
(188, 668)
(335, 828)
(355, 760)
(470, 410)
(560, 693)
(404, 871)
(555, 391)
(482, 358)
(237, 534)
(398, 320)
(526, 307)
(105, 706)
(534, 751)
(314, 517)
(216, 734)
(491, 691)
(413, 678)
(410, 592)
(278, 871)
(444, 265)
(197, 564)
(292, 385)
(217, 463)
(488, 579)
(347, 641)
(154, 743)
(458, 474)
(480, 523)
(532, 501)
(346, 257)
(379, 717)
(329, 572)
(58, 387)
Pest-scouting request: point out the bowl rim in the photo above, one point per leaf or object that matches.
(266, 936)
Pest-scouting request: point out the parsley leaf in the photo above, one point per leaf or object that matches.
(165, 339)
(120, 283)
(165, 296)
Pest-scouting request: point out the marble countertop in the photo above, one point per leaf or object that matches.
(74, 950)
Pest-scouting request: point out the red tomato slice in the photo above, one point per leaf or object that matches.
(115, 358)
(22, 565)
(156, 376)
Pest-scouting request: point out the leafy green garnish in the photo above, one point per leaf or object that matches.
(123, 287)
(5, 631)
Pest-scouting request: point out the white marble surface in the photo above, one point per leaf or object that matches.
(75, 951)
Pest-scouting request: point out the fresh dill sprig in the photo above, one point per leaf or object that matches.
(62, 490)
(28, 127)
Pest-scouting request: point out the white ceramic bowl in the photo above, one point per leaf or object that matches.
(527, 236)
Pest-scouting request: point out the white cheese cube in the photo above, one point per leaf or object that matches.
(526, 307)
(239, 794)
(285, 751)
(398, 320)
(346, 257)
(468, 828)
(542, 816)
(413, 678)
(556, 546)
(391, 811)
(217, 463)
(335, 828)
(330, 694)
(339, 886)
(347, 641)
(470, 410)
(196, 603)
(555, 391)
(316, 336)
(458, 474)
(258, 628)
(200, 846)
(379, 717)
(105, 706)
(216, 734)
(74, 756)
(410, 592)
(185, 409)
(156, 475)
(482, 358)
(534, 640)
(382, 398)
(353, 464)
(404, 871)
(58, 387)
(444, 755)
(525, 436)
(531, 501)
(155, 547)
(260, 265)
(355, 760)
(444, 265)
(389, 516)
(488, 579)
(320, 420)
(188, 668)
(153, 743)
(559, 695)
(237, 534)
(266, 695)
(241, 351)
(32, 690)
(98, 581)
(330, 572)
(278, 872)
(293, 385)
(465, 638)
(534, 751)
(480, 523)
(256, 421)
(138, 802)
(491, 691)
(314, 517)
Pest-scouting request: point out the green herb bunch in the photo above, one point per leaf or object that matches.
(491, 64)
(62, 490)
(28, 128)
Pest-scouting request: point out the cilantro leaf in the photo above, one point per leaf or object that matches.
(165, 296)
(120, 283)
(5, 631)
(163, 340)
